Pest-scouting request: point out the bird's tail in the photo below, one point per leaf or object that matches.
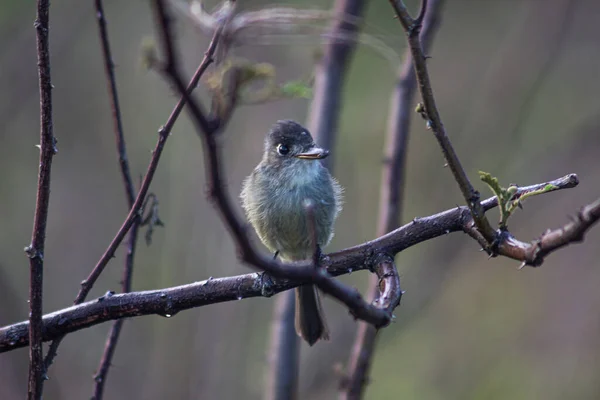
(310, 321)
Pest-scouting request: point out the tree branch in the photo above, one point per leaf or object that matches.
(392, 185)
(35, 251)
(168, 302)
(534, 253)
(136, 210)
(412, 27)
(109, 69)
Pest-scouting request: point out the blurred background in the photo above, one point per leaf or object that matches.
(517, 85)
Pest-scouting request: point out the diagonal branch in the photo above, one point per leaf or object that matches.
(392, 187)
(35, 251)
(136, 210)
(170, 301)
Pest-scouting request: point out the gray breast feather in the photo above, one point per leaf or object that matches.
(276, 210)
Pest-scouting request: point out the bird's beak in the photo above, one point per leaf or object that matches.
(315, 153)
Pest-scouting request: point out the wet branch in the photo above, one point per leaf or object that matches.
(170, 301)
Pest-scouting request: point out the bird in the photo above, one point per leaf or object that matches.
(274, 197)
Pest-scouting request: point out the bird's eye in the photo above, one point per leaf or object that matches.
(283, 149)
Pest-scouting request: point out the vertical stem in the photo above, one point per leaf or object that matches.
(35, 250)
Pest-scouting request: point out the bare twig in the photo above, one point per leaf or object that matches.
(134, 213)
(109, 68)
(412, 27)
(172, 300)
(392, 186)
(35, 251)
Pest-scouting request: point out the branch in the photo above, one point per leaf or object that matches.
(534, 253)
(170, 301)
(207, 129)
(392, 187)
(412, 27)
(109, 68)
(35, 251)
(137, 209)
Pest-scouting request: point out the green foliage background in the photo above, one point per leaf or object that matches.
(517, 84)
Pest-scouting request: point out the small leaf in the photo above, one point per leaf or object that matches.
(297, 89)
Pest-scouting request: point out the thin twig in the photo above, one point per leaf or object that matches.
(412, 27)
(35, 251)
(170, 301)
(391, 197)
(135, 212)
(109, 69)
(422, 12)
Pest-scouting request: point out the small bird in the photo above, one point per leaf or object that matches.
(274, 198)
